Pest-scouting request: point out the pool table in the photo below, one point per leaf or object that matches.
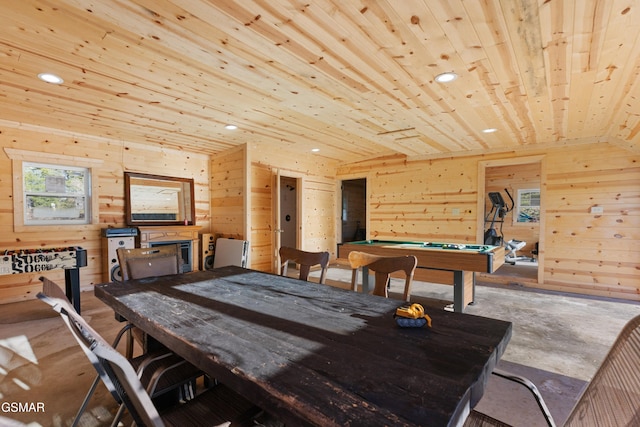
(449, 263)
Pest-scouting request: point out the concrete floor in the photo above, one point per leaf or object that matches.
(559, 341)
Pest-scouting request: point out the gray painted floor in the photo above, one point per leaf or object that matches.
(562, 333)
(558, 342)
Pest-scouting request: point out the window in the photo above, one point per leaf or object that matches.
(528, 206)
(56, 194)
(51, 189)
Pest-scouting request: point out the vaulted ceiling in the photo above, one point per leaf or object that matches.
(353, 78)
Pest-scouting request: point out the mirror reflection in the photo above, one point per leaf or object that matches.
(159, 200)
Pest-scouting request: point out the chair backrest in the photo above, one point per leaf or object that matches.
(612, 397)
(138, 263)
(114, 369)
(383, 267)
(306, 261)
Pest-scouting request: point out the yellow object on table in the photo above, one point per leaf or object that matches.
(415, 311)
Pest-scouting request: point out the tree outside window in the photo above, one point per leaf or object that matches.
(528, 206)
(56, 194)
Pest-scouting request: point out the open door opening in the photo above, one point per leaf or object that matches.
(288, 211)
(513, 215)
(354, 210)
(286, 215)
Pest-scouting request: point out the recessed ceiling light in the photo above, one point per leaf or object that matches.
(50, 78)
(231, 127)
(315, 150)
(490, 130)
(446, 77)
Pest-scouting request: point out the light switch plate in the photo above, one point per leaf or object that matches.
(597, 210)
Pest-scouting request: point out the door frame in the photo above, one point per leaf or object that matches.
(481, 197)
(277, 208)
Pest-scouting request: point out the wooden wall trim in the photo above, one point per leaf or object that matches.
(38, 156)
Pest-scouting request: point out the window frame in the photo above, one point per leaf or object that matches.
(20, 157)
(84, 194)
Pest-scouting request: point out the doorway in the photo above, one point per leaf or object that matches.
(354, 210)
(519, 229)
(289, 211)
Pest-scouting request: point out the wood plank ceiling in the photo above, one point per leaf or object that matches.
(354, 78)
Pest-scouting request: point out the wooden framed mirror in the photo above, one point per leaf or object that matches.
(158, 200)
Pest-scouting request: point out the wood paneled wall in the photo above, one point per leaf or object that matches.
(261, 165)
(116, 157)
(586, 252)
(262, 217)
(229, 193)
(583, 252)
(318, 201)
(434, 199)
(319, 230)
(416, 200)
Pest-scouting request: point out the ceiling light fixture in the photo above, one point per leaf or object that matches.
(489, 130)
(446, 77)
(231, 127)
(315, 150)
(50, 78)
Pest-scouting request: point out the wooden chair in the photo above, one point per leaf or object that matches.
(383, 267)
(612, 397)
(214, 406)
(139, 263)
(161, 372)
(306, 260)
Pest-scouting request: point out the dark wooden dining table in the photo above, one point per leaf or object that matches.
(313, 354)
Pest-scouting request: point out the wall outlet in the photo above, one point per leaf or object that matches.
(455, 211)
(597, 210)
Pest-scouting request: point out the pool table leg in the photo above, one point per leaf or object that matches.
(464, 289)
(458, 291)
(473, 288)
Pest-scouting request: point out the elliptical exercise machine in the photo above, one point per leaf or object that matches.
(492, 237)
(499, 209)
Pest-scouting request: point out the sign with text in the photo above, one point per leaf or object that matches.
(36, 260)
